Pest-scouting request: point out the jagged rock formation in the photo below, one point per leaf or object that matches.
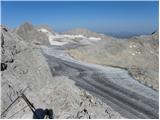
(30, 34)
(23, 66)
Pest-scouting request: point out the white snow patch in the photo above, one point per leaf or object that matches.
(58, 43)
(94, 38)
(51, 37)
(73, 36)
(64, 39)
(138, 52)
(133, 54)
(134, 46)
(43, 30)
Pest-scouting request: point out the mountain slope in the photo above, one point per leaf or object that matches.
(25, 69)
(138, 54)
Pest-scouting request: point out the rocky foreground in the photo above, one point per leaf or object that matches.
(51, 78)
(24, 69)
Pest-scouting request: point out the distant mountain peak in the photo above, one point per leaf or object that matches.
(29, 33)
(79, 30)
(82, 31)
(26, 27)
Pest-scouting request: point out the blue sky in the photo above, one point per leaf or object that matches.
(107, 17)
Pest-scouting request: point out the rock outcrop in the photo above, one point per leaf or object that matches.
(30, 34)
(22, 66)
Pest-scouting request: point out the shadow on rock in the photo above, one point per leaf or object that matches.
(43, 114)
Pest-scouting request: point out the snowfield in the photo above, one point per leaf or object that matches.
(63, 39)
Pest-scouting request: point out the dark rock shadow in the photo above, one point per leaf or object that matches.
(42, 114)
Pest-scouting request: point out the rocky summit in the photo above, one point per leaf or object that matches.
(29, 33)
(78, 74)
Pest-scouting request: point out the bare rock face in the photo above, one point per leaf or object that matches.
(30, 34)
(22, 66)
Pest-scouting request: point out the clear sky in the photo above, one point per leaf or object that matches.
(107, 17)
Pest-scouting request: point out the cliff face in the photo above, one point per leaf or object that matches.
(22, 66)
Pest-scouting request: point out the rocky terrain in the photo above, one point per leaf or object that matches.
(41, 63)
(30, 34)
(24, 69)
(138, 55)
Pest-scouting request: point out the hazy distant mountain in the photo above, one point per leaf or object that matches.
(82, 31)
